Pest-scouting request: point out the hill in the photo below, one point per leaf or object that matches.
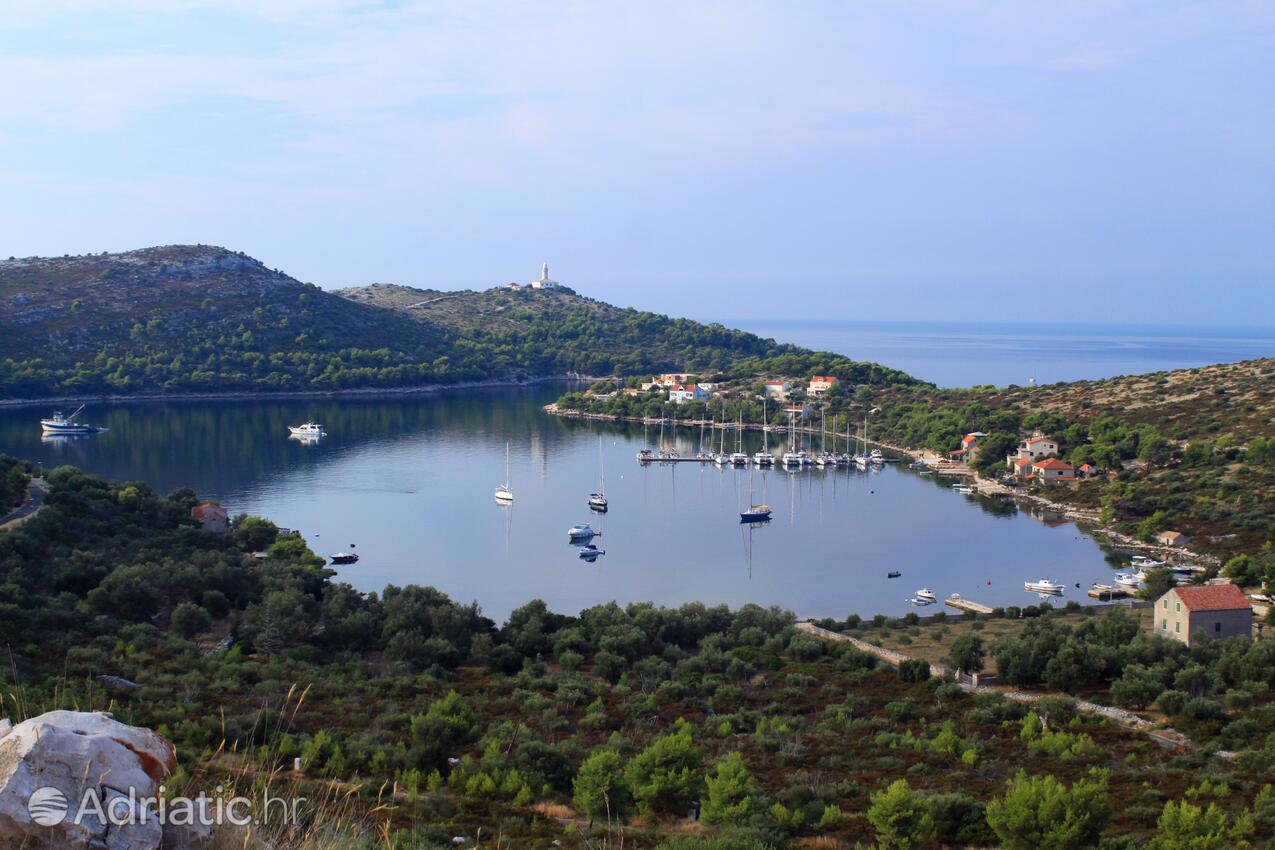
(195, 318)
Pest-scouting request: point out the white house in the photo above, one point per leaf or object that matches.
(683, 393)
(778, 389)
(1034, 447)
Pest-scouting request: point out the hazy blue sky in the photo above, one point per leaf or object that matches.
(1034, 162)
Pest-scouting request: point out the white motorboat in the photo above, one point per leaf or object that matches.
(875, 456)
(66, 425)
(590, 552)
(1130, 581)
(308, 431)
(963, 489)
(1145, 563)
(926, 593)
(598, 500)
(504, 493)
(1044, 586)
(922, 600)
(580, 531)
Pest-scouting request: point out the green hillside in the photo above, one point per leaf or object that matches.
(184, 319)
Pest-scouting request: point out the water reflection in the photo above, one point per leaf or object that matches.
(408, 479)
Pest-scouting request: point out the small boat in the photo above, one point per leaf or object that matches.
(598, 500)
(963, 489)
(590, 552)
(926, 593)
(645, 456)
(344, 558)
(922, 600)
(66, 425)
(755, 513)
(876, 456)
(580, 531)
(504, 495)
(1129, 581)
(893, 574)
(308, 431)
(1145, 563)
(1044, 586)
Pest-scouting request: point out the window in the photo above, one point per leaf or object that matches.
(1166, 603)
(1179, 604)
(1217, 628)
(1164, 624)
(1177, 627)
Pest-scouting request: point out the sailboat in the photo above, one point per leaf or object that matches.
(739, 457)
(757, 511)
(598, 500)
(764, 457)
(504, 495)
(862, 459)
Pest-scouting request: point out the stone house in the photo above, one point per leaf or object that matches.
(1214, 611)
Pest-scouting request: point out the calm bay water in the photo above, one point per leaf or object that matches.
(962, 355)
(409, 481)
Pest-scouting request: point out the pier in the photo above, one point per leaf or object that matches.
(968, 605)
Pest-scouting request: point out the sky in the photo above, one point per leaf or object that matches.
(964, 161)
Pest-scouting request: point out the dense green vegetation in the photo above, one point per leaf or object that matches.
(565, 729)
(187, 319)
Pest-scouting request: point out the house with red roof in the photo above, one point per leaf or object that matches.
(1036, 446)
(777, 389)
(1022, 467)
(1052, 469)
(211, 517)
(682, 393)
(1211, 611)
(1087, 470)
(820, 384)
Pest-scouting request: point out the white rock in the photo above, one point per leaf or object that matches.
(70, 752)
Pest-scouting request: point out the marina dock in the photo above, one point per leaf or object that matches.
(968, 605)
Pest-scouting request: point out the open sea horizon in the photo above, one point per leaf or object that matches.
(955, 354)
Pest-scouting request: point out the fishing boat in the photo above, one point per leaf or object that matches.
(580, 531)
(308, 431)
(1130, 581)
(598, 500)
(756, 513)
(1044, 586)
(893, 574)
(926, 593)
(504, 494)
(344, 558)
(66, 425)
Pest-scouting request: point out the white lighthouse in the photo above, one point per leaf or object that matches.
(544, 281)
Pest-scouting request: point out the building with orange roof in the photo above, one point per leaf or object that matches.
(1211, 611)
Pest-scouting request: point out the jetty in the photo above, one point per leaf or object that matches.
(968, 605)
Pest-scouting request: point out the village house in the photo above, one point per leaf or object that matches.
(777, 389)
(211, 517)
(1213, 611)
(1022, 467)
(1087, 470)
(1036, 446)
(969, 445)
(798, 411)
(1171, 538)
(820, 384)
(683, 393)
(1052, 469)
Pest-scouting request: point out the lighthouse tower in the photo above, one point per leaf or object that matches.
(544, 281)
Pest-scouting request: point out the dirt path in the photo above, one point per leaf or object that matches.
(37, 489)
(1165, 737)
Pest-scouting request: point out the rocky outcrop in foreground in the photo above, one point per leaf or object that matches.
(49, 763)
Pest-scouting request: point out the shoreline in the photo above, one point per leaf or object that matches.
(1086, 520)
(240, 395)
